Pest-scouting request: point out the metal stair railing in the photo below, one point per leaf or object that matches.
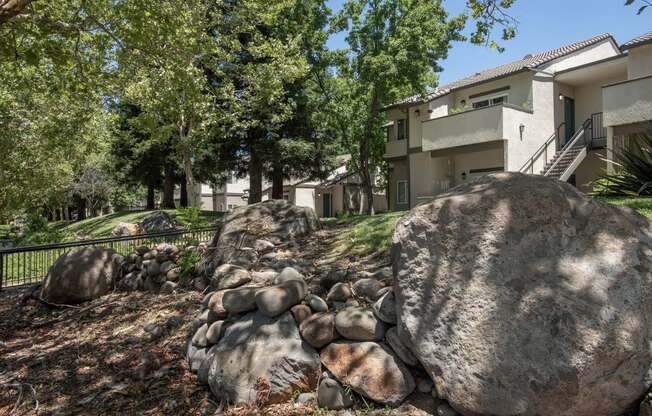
(529, 165)
(578, 138)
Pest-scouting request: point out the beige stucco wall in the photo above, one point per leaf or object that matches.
(398, 172)
(430, 176)
(597, 52)
(484, 159)
(588, 99)
(519, 93)
(207, 203)
(590, 169)
(639, 62)
(304, 197)
(628, 102)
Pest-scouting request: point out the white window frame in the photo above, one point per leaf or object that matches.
(490, 98)
(398, 193)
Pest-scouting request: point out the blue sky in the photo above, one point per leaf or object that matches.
(543, 25)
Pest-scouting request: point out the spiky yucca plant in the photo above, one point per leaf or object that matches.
(633, 175)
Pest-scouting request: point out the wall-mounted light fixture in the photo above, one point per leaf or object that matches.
(561, 97)
(521, 129)
(463, 176)
(417, 112)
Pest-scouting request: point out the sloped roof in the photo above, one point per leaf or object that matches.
(527, 63)
(638, 41)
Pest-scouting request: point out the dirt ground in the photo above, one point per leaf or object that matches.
(123, 353)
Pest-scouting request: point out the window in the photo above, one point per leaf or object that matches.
(400, 133)
(401, 192)
(486, 102)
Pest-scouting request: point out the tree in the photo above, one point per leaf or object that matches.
(643, 4)
(394, 49)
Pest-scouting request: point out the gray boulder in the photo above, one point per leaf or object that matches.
(125, 229)
(385, 307)
(158, 221)
(319, 329)
(268, 220)
(317, 304)
(367, 288)
(235, 278)
(332, 395)
(521, 295)
(300, 312)
(340, 292)
(239, 300)
(288, 273)
(262, 360)
(359, 324)
(401, 350)
(275, 300)
(81, 275)
(370, 369)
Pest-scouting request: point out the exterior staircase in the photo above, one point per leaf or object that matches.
(566, 160)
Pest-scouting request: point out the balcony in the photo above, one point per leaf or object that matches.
(483, 125)
(395, 148)
(628, 102)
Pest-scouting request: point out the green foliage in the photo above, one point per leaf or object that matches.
(187, 263)
(633, 166)
(365, 234)
(642, 205)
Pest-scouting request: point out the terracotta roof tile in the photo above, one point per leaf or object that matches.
(639, 41)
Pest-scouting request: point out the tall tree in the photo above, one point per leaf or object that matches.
(394, 50)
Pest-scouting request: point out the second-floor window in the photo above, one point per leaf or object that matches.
(400, 129)
(486, 102)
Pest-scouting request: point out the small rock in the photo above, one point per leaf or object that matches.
(197, 359)
(263, 246)
(300, 313)
(150, 255)
(156, 331)
(351, 302)
(287, 274)
(216, 305)
(200, 283)
(306, 398)
(168, 287)
(399, 347)
(367, 288)
(333, 277)
(153, 268)
(269, 256)
(317, 304)
(174, 322)
(199, 339)
(331, 395)
(167, 266)
(239, 300)
(319, 329)
(359, 324)
(233, 279)
(245, 257)
(444, 409)
(275, 300)
(141, 250)
(203, 316)
(385, 307)
(214, 332)
(264, 277)
(173, 274)
(206, 299)
(340, 292)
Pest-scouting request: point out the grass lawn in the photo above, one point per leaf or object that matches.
(642, 205)
(362, 234)
(102, 226)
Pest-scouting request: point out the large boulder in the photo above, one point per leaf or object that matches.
(520, 295)
(272, 220)
(262, 360)
(158, 221)
(125, 229)
(82, 274)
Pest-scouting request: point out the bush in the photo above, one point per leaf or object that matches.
(187, 263)
(634, 171)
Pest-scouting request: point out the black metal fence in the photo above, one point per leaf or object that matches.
(28, 265)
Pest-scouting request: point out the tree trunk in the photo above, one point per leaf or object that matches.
(365, 174)
(277, 181)
(255, 178)
(151, 202)
(183, 194)
(168, 187)
(81, 208)
(185, 127)
(12, 8)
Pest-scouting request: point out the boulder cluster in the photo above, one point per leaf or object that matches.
(153, 269)
(157, 221)
(264, 334)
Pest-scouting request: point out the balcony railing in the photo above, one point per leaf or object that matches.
(395, 148)
(628, 102)
(487, 124)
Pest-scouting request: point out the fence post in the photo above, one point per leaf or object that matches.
(2, 268)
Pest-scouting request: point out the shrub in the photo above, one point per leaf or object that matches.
(633, 175)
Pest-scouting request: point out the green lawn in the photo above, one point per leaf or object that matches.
(363, 234)
(642, 205)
